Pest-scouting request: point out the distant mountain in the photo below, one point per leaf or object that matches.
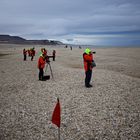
(7, 39)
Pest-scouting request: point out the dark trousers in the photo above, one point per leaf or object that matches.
(88, 77)
(53, 57)
(24, 57)
(41, 74)
(32, 58)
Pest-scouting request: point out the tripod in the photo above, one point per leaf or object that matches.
(48, 64)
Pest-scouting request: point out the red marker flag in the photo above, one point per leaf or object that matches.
(56, 118)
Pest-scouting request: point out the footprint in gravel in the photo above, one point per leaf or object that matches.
(2, 71)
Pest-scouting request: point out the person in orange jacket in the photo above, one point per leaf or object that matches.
(41, 65)
(88, 59)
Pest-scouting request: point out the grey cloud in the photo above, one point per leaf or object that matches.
(62, 18)
(13, 28)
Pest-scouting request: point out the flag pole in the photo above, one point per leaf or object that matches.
(58, 127)
(58, 133)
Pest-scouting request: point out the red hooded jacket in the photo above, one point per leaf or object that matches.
(41, 62)
(88, 58)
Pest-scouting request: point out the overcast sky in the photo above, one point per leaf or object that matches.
(94, 22)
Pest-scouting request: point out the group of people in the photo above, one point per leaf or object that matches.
(31, 53)
(88, 60)
(71, 47)
(67, 47)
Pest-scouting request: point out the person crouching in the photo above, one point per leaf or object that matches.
(41, 65)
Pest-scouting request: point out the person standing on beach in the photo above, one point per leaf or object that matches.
(24, 54)
(53, 54)
(32, 53)
(41, 65)
(88, 59)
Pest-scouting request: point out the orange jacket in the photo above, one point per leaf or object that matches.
(41, 62)
(88, 58)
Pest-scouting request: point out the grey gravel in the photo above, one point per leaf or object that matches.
(110, 110)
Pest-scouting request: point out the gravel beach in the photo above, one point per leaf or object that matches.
(110, 110)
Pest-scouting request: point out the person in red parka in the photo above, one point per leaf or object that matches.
(32, 53)
(88, 59)
(41, 65)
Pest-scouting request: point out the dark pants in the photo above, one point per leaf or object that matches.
(53, 57)
(88, 77)
(41, 74)
(24, 57)
(32, 58)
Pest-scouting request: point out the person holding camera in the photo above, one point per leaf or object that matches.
(88, 66)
